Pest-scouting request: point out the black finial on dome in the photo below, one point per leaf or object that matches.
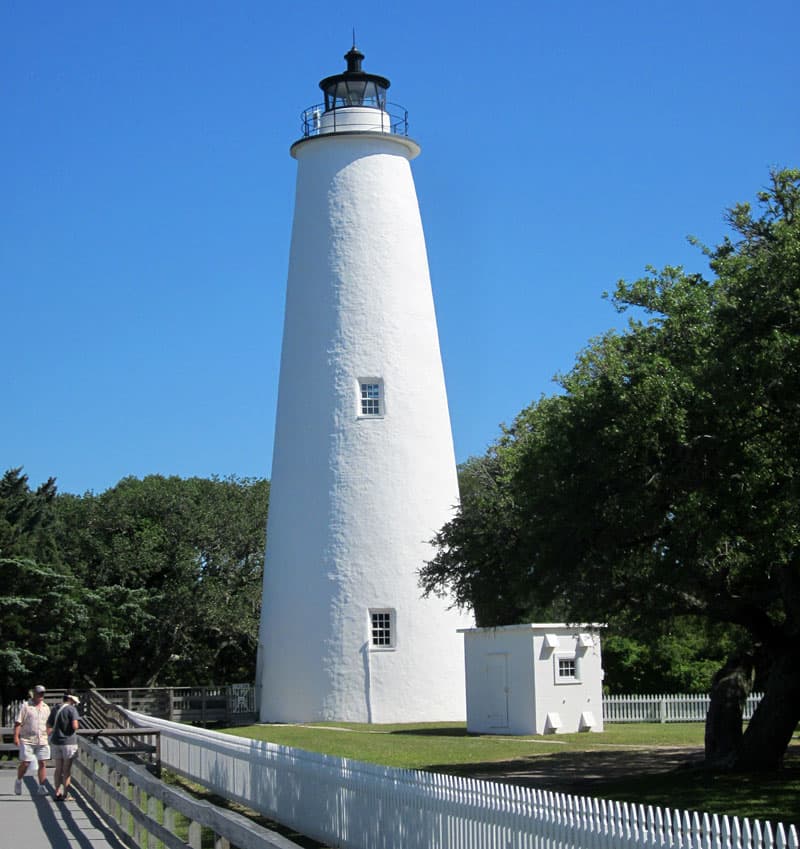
(354, 87)
(354, 57)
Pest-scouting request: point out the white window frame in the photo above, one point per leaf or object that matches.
(392, 628)
(567, 679)
(360, 398)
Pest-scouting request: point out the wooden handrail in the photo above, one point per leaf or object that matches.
(4, 746)
(104, 721)
(126, 793)
(116, 735)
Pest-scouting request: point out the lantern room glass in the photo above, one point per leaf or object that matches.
(355, 92)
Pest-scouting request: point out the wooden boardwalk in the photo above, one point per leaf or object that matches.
(39, 822)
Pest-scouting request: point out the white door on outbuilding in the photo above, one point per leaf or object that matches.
(497, 681)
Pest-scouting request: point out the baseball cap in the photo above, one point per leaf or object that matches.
(38, 689)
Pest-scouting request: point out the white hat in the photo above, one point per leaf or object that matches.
(73, 699)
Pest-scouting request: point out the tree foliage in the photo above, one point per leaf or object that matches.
(183, 558)
(154, 581)
(40, 602)
(663, 482)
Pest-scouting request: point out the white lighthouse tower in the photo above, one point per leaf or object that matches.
(363, 469)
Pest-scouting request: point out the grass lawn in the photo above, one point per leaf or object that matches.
(446, 747)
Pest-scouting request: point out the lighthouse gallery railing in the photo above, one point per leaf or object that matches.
(315, 121)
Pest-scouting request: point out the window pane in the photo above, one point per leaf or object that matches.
(382, 629)
(566, 668)
(370, 399)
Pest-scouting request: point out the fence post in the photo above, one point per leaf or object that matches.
(662, 710)
(169, 819)
(139, 798)
(195, 836)
(153, 807)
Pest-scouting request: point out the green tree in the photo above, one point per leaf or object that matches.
(478, 564)
(663, 483)
(676, 655)
(229, 538)
(173, 569)
(25, 517)
(41, 605)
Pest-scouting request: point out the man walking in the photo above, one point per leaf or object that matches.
(30, 734)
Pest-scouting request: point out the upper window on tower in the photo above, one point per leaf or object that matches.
(371, 403)
(383, 629)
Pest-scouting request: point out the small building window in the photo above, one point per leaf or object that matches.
(370, 397)
(567, 669)
(382, 629)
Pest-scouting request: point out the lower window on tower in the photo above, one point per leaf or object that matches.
(382, 629)
(370, 398)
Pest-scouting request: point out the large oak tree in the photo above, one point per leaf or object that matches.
(664, 482)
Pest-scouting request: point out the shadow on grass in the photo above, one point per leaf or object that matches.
(567, 771)
(434, 732)
(665, 777)
(764, 796)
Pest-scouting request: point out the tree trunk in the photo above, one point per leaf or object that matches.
(729, 691)
(770, 730)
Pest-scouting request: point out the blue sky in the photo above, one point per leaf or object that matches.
(147, 195)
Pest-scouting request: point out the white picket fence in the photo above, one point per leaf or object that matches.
(363, 806)
(665, 708)
(640, 708)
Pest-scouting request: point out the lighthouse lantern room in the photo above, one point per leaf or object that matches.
(354, 87)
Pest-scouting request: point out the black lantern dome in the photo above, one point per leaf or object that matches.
(354, 87)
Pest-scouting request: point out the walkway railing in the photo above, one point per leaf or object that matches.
(145, 812)
(353, 804)
(231, 704)
(665, 708)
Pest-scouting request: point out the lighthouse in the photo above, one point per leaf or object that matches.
(364, 471)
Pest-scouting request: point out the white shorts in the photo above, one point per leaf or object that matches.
(65, 751)
(27, 752)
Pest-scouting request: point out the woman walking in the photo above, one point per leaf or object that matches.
(62, 725)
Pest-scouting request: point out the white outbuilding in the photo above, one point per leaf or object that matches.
(534, 679)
